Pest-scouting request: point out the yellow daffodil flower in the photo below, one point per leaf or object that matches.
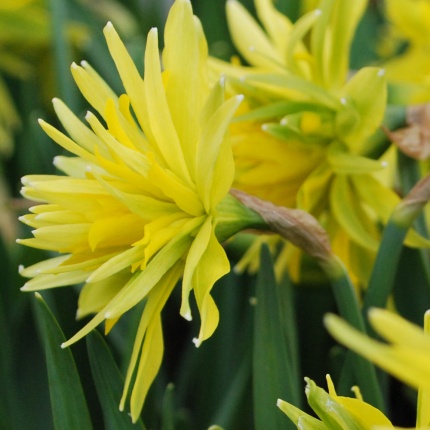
(303, 136)
(409, 72)
(335, 412)
(144, 200)
(406, 356)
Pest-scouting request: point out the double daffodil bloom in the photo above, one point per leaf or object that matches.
(406, 356)
(303, 136)
(335, 412)
(144, 200)
(409, 72)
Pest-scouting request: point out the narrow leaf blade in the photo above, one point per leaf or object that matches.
(69, 407)
(271, 376)
(109, 384)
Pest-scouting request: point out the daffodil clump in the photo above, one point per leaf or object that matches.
(304, 137)
(285, 141)
(143, 199)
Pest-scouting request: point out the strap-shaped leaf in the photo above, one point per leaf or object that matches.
(271, 372)
(109, 384)
(69, 407)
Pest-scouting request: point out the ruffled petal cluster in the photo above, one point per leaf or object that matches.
(143, 199)
(305, 135)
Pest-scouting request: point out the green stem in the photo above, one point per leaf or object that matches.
(349, 309)
(384, 271)
(408, 171)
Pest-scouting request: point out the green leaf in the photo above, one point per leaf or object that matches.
(109, 383)
(271, 372)
(288, 318)
(62, 52)
(69, 407)
(231, 403)
(168, 417)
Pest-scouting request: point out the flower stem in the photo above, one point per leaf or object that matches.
(349, 309)
(383, 274)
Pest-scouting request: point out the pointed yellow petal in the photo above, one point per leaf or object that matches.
(185, 59)
(350, 215)
(42, 266)
(301, 419)
(149, 364)
(208, 153)
(397, 330)
(153, 307)
(249, 38)
(185, 197)
(92, 87)
(365, 97)
(66, 142)
(130, 77)
(80, 133)
(160, 120)
(411, 366)
(135, 160)
(277, 25)
(212, 266)
(117, 263)
(195, 253)
(142, 283)
(43, 282)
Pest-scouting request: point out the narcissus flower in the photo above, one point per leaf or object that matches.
(406, 356)
(409, 73)
(335, 412)
(144, 200)
(304, 136)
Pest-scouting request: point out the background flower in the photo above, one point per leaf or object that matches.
(303, 137)
(406, 357)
